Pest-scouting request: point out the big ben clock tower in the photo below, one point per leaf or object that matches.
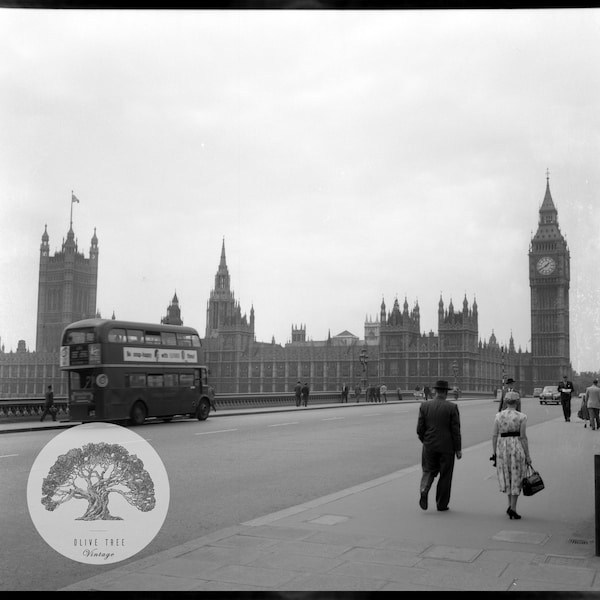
(549, 275)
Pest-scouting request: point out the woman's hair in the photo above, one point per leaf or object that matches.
(510, 400)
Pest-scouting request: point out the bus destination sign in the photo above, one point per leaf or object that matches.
(159, 355)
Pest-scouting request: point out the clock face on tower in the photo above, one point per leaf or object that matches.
(546, 265)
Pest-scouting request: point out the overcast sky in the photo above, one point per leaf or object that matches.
(344, 157)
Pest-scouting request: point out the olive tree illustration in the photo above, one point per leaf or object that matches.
(92, 473)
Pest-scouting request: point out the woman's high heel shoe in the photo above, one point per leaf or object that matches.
(513, 514)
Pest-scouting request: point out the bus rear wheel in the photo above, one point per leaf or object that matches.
(203, 410)
(138, 413)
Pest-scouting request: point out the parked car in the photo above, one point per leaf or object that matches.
(550, 395)
(537, 392)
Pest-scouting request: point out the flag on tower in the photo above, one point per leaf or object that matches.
(74, 198)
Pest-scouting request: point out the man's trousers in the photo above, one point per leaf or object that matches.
(434, 463)
(566, 406)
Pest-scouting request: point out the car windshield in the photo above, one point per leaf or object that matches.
(550, 388)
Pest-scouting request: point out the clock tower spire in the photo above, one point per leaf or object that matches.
(549, 277)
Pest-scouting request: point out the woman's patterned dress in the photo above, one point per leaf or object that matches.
(511, 463)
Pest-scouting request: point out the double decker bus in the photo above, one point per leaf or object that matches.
(123, 371)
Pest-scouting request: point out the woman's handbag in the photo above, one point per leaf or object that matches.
(532, 482)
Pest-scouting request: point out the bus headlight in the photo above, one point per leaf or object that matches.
(102, 380)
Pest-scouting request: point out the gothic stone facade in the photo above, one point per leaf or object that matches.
(399, 354)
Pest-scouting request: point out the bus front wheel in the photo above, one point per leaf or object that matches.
(203, 410)
(138, 413)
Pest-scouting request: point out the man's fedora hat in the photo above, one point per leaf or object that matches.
(510, 380)
(440, 384)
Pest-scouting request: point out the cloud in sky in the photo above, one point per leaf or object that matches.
(344, 157)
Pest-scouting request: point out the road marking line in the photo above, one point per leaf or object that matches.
(282, 424)
(333, 418)
(217, 431)
(8, 455)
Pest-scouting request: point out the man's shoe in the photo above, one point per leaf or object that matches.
(440, 509)
(423, 501)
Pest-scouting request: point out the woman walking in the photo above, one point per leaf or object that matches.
(511, 452)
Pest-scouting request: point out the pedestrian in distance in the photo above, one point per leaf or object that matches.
(211, 398)
(510, 450)
(344, 393)
(510, 392)
(565, 387)
(357, 392)
(305, 393)
(583, 412)
(49, 408)
(592, 399)
(383, 392)
(438, 429)
(426, 392)
(377, 391)
(298, 393)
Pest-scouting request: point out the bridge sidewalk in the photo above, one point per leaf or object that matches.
(375, 537)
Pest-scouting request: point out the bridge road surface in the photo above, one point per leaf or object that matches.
(232, 469)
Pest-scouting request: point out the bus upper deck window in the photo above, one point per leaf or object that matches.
(135, 336)
(117, 335)
(79, 336)
(184, 339)
(152, 338)
(168, 338)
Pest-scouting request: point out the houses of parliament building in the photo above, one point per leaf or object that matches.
(395, 351)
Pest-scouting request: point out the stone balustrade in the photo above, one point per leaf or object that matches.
(32, 408)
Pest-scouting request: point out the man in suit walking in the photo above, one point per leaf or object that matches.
(438, 428)
(510, 393)
(305, 392)
(592, 399)
(49, 408)
(565, 387)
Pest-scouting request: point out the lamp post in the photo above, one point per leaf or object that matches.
(455, 371)
(364, 359)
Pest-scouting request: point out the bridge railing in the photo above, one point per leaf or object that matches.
(32, 408)
(29, 408)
